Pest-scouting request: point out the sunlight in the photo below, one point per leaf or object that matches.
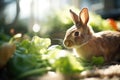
(37, 5)
(25, 8)
(18, 35)
(36, 28)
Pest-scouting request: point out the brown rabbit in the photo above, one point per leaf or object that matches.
(87, 44)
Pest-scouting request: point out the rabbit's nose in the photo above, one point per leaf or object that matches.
(68, 43)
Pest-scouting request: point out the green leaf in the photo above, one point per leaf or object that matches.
(68, 65)
(41, 42)
(97, 60)
(29, 57)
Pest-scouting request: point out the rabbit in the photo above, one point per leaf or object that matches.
(86, 43)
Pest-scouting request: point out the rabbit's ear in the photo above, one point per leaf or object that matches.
(74, 17)
(84, 16)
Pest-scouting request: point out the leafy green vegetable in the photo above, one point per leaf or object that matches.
(68, 65)
(63, 61)
(97, 60)
(28, 56)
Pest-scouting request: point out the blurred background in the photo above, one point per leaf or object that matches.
(51, 18)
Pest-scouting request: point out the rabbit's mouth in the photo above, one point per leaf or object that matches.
(68, 43)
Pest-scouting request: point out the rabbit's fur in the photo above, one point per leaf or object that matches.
(87, 44)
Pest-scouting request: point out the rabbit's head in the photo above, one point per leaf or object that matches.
(80, 33)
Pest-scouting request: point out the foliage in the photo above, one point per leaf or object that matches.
(98, 23)
(97, 60)
(56, 23)
(63, 61)
(68, 65)
(27, 58)
(3, 38)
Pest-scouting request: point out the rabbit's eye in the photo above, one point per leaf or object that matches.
(76, 33)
